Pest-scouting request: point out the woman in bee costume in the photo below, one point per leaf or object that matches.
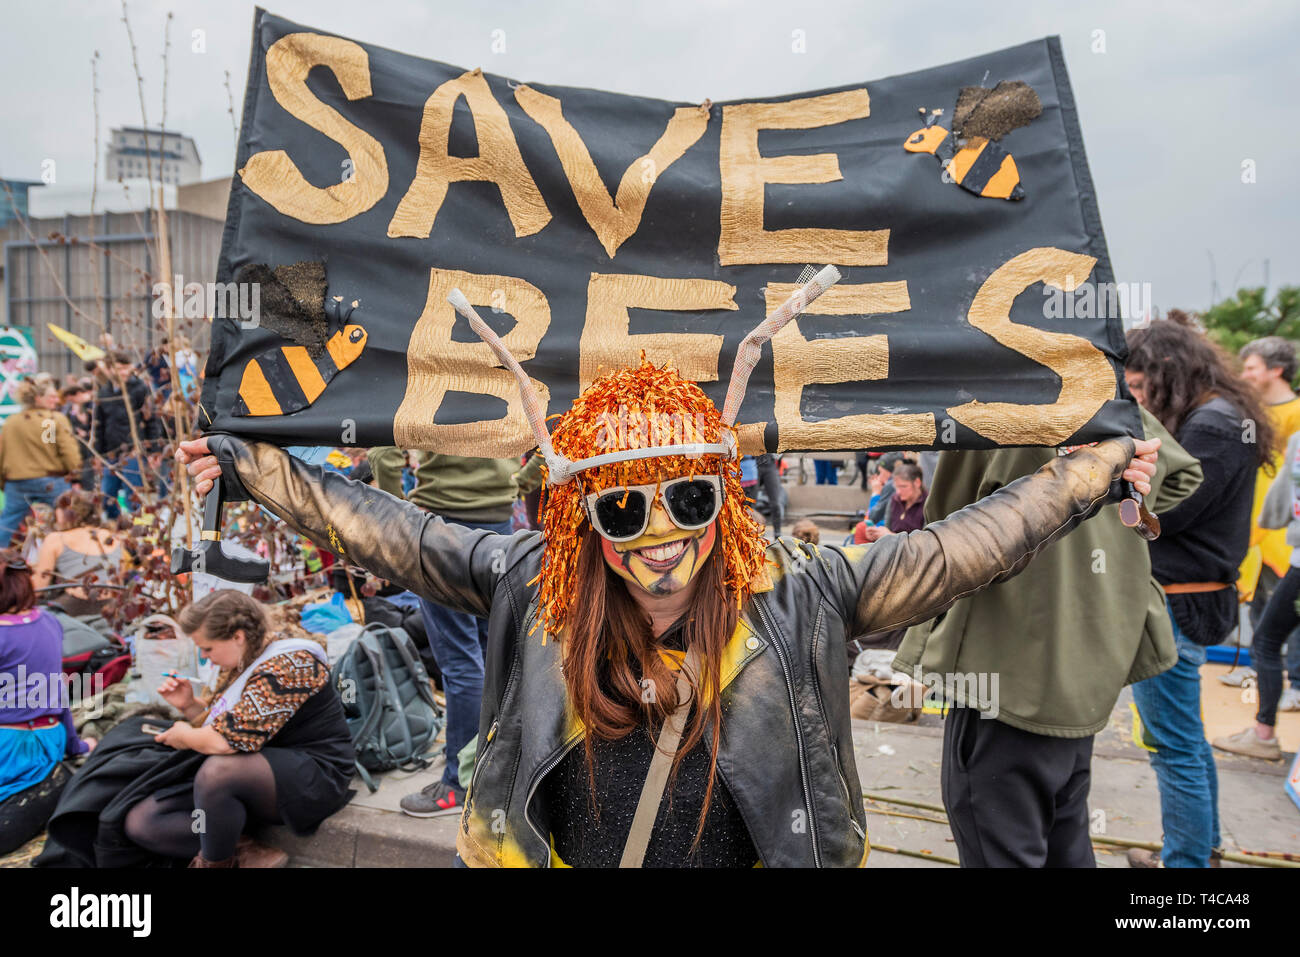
(648, 639)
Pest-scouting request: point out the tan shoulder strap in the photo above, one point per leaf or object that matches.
(652, 792)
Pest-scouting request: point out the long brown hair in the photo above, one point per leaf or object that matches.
(1182, 369)
(16, 592)
(612, 659)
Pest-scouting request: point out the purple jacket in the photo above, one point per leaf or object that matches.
(907, 518)
(31, 672)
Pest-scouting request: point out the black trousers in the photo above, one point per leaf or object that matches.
(23, 815)
(769, 474)
(1015, 799)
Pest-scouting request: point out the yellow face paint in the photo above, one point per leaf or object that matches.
(665, 558)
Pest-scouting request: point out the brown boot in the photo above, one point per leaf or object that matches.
(201, 861)
(250, 853)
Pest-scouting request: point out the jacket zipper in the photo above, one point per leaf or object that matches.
(798, 731)
(478, 758)
(536, 782)
(492, 731)
(848, 797)
(835, 751)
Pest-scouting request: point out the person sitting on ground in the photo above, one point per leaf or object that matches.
(36, 729)
(906, 509)
(885, 466)
(38, 450)
(280, 751)
(879, 479)
(806, 530)
(79, 553)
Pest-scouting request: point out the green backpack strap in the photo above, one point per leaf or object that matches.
(370, 728)
(402, 641)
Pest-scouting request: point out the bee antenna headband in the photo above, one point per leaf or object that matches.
(561, 469)
(810, 287)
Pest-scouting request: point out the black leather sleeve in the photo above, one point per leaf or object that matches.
(905, 579)
(446, 563)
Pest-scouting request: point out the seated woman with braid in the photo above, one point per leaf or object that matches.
(280, 751)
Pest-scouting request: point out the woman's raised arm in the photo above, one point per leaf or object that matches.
(445, 563)
(905, 579)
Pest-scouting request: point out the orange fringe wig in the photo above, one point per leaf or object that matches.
(640, 407)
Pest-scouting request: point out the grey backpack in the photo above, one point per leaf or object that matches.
(388, 702)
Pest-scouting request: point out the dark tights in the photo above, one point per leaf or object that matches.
(229, 791)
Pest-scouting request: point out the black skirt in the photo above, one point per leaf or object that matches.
(311, 757)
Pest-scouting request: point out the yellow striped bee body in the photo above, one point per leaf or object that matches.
(970, 156)
(979, 166)
(287, 379)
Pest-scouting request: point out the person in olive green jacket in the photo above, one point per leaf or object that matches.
(1032, 667)
(475, 493)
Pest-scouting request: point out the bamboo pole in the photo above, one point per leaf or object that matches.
(1252, 858)
(165, 267)
(919, 855)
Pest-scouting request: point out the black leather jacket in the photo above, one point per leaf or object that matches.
(786, 752)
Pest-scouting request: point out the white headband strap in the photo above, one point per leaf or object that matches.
(691, 450)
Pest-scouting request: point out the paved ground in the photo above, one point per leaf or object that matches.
(1254, 811)
(895, 762)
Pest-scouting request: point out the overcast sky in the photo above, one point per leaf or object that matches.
(1183, 93)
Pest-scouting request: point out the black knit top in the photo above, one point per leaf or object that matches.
(594, 837)
(1205, 537)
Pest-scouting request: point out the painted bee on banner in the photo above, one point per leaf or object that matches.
(970, 156)
(287, 379)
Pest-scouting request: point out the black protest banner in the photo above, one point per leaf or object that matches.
(589, 226)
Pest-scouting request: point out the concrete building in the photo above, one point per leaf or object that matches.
(163, 156)
(109, 288)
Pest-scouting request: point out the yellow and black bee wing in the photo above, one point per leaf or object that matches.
(986, 169)
(289, 379)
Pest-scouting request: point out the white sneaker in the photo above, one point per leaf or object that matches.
(1290, 700)
(1251, 745)
(1237, 676)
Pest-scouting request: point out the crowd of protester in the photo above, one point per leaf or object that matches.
(76, 456)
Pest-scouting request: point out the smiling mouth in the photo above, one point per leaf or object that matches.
(662, 557)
